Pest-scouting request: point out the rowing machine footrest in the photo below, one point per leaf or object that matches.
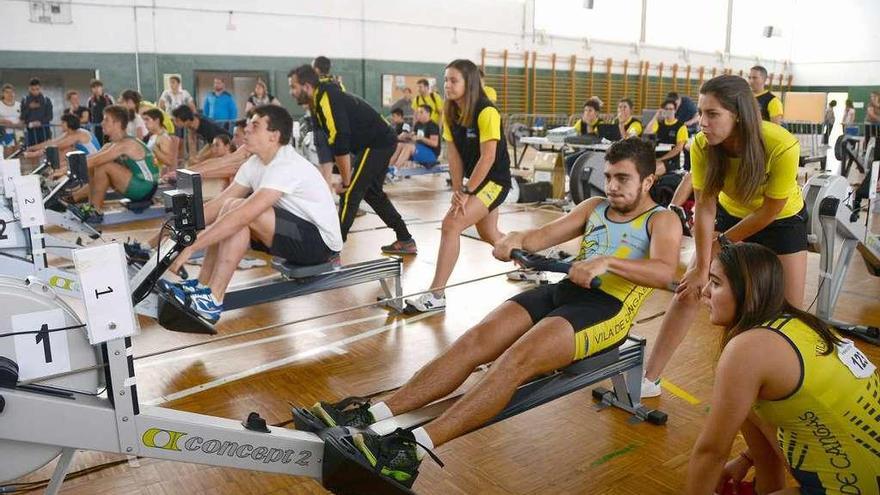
(291, 270)
(173, 316)
(137, 206)
(345, 471)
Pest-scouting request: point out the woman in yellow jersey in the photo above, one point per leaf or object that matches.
(479, 165)
(744, 175)
(802, 397)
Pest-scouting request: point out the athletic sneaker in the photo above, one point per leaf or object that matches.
(427, 302)
(650, 389)
(88, 213)
(189, 285)
(199, 301)
(401, 247)
(528, 276)
(353, 412)
(394, 455)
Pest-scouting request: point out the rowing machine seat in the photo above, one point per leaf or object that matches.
(291, 270)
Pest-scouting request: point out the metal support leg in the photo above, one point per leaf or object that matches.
(393, 290)
(61, 470)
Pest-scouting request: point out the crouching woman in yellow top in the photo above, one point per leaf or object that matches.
(802, 397)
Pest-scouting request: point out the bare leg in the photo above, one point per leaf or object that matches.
(547, 346)
(769, 465)
(678, 320)
(211, 253)
(397, 149)
(488, 228)
(406, 151)
(107, 175)
(794, 267)
(479, 345)
(450, 239)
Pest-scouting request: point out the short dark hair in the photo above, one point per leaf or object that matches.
(397, 111)
(96, 83)
(241, 123)
(627, 101)
(423, 82)
(183, 112)
(71, 120)
(279, 120)
(174, 78)
(305, 74)
(672, 95)
(594, 105)
(322, 65)
(833, 103)
(34, 82)
(407, 90)
(638, 151)
(761, 69)
(668, 101)
(155, 114)
(120, 114)
(132, 95)
(225, 139)
(426, 108)
(8, 86)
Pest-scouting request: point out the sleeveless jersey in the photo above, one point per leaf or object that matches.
(151, 143)
(764, 100)
(627, 240)
(668, 134)
(92, 146)
(829, 428)
(145, 168)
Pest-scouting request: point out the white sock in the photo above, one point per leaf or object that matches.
(422, 437)
(216, 302)
(380, 411)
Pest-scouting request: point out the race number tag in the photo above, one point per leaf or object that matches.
(10, 233)
(29, 199)
(852, 358)
(103, 279)
(9, 170)
(42, 353)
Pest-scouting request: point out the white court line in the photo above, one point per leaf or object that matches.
(319, 331)
(332, 346)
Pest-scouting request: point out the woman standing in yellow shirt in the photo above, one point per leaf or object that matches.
(744, 174)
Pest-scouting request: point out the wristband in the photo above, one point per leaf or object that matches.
(465, 190)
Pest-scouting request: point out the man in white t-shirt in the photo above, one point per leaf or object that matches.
(10, 116)
(277, 203)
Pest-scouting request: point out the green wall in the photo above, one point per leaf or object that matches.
(117, 70)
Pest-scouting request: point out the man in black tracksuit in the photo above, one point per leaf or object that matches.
(353, 127)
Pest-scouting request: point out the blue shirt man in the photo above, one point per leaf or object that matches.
(220, 105)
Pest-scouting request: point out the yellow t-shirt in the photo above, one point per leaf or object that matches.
(681, 136)
(488, 125)
(782, 152)
(828, 427)
(434, 101)
(774, 108)
(490, 93)
(632, 126)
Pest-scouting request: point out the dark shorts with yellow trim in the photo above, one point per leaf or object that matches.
(492, 194)
(600, 320)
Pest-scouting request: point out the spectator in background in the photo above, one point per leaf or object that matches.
(430, 98)
(97, 103)
(629, 125)
(423, 145)
(849, 115)
(771, 106)
(238, 135)
(401, 128)
(828, 120)
(136, 127)
(74, 107)
(10, 116)
(322, 66)
(132, 99)
(36, 113)
(260, 97)
(872, 121)
(489, 90)
(200, 128)
(404, 104)
(588, 124)
(220, 105)
(685, 111)
(175, 96)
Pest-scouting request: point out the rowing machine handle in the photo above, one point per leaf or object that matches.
(545, 264)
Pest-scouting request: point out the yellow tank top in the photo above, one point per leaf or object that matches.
(829, 428)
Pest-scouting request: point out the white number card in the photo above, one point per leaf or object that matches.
(852, 358)
(103, 279)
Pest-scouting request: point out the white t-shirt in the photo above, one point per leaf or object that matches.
(306, 194)
(134, 125)
(174, 100)
(10, 112)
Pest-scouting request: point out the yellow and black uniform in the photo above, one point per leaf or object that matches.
(434, 101)
(788, 232)
(670, 132)
(333, 80)
(467, 139)
(828, 429)
(584, 128)
(632, 126)
(601, 317)
(771, 106)
(491, 93)
(352, 126)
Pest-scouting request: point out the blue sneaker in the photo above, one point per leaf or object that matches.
(200, 301)
(189, 285)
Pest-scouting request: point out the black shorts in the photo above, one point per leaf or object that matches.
(296, 240)
(783, 236)
(322, 146)
(599, 320)
(492, 193)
